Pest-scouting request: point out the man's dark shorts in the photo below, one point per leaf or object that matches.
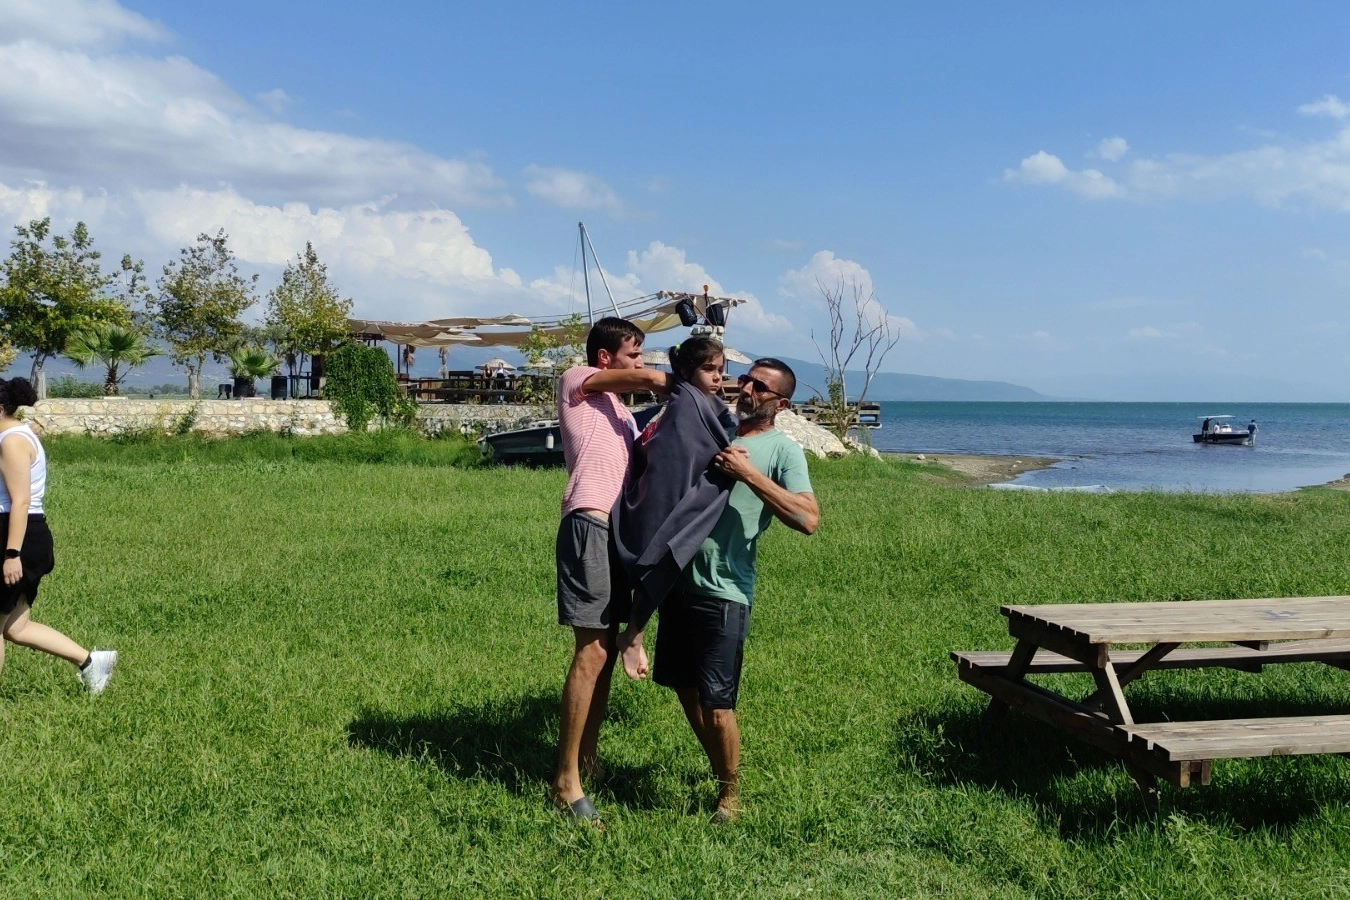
(592, 589)
(700, 642)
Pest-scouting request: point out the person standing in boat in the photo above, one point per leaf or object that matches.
(597, 433)
(28, 542)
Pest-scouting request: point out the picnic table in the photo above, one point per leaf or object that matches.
(1240, 634)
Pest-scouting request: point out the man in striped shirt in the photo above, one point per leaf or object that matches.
(597, 433)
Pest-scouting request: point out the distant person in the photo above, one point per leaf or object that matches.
(1251, 428)
(597, 433)
(672, 499)
(705, 619)
(1204, 427)
(28, 542)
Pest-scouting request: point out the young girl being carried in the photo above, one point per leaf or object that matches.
(671, 500)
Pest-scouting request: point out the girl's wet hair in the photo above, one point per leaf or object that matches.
(687, 357)
(16, 392)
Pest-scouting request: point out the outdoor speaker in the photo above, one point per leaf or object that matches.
(716, 314)
(687, 313)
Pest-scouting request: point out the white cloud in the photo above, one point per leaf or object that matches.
(75, 23)
(826, 271)
(1149, 333)
(1046, 168)
(1113, 149)
(115, 119)
(570, 189)
(1329, 106)
(1315, 253)
(277, 100)
(1314, 173)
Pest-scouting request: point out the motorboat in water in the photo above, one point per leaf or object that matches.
(1219, 430)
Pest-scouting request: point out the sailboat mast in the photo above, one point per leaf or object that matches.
(598, 268)
(585, 272)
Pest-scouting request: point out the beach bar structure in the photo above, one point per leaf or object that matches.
(652, 313)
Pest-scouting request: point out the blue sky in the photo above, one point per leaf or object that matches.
(1139, 201)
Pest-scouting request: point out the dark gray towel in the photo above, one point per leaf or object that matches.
(671, 501)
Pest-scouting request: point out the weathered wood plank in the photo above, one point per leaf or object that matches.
(1242, 738)
(1186, 621)
(1332, 652)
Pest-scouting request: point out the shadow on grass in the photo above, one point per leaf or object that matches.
(1086, 793)
(511, 742)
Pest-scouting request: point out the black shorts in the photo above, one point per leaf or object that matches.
(700, 643)
(37, 557)
(592, 590)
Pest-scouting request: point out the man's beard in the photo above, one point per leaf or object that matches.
(756, 413)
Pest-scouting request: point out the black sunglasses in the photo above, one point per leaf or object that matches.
(757, 386)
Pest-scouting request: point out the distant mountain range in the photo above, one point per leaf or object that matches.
(810, 378)
(897, 386)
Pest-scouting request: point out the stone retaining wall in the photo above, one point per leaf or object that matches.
(107, 416)
(306, 417)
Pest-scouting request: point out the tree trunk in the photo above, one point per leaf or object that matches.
(110, 382)
(38, 377)
(194, 382)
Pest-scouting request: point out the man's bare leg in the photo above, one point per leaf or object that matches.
(720, 736)
(589, 755)
(583, 700)
(633, 653)
(725, 737)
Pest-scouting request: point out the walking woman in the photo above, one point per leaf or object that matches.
(28, 543)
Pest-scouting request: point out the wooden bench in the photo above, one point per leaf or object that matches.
(1183, 751)
(1246, 659)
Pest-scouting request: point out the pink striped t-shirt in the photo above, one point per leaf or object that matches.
(597, 432)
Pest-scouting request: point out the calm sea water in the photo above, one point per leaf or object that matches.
(1134, 446)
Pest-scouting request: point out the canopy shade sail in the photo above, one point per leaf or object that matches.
(409, 333)
(652, 313)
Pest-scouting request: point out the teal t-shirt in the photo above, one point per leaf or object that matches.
(724, 566)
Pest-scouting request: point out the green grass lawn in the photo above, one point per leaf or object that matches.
(340, 671)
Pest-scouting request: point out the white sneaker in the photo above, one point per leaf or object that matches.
(95, 675)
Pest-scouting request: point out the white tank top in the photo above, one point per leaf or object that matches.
(37, 482)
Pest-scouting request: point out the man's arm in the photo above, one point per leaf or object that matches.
(627, 381)
(797, 511)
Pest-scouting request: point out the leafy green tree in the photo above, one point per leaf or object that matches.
(53, 289)
(115, 347)
(361, 385)
(305, 315)
(197, 308)
(549, 354)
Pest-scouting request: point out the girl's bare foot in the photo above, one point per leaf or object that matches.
(634, 655)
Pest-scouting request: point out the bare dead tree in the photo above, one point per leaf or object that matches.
(859, 331)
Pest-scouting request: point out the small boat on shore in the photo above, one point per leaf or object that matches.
(1219, 430)
(540, 443)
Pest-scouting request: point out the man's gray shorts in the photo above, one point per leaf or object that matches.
(592, 590)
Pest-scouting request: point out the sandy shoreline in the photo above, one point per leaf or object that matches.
(980, 469)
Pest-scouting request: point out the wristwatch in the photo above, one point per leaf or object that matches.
(11, 553)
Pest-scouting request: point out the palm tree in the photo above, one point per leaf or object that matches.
(114, 347)
(247, 364)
